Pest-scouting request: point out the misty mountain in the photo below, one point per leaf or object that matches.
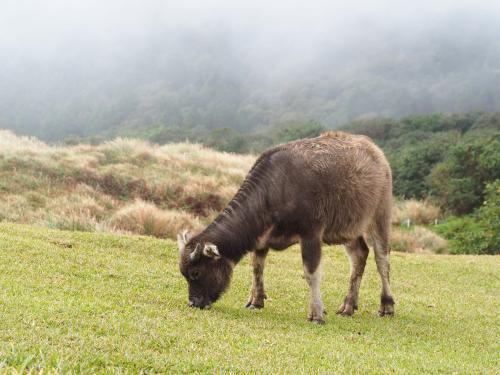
(200, 79)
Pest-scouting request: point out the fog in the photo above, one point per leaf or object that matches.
(77, 69)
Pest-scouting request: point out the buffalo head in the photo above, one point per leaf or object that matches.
(207, 273)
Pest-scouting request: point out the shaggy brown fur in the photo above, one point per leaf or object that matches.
(335, 189)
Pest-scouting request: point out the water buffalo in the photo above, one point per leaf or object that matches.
(335, 188)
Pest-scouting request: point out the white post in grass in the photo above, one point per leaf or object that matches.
(408, 222)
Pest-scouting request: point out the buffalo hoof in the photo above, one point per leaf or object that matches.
(385, 311)
(256, 302)
(320, 321)
(386, 307)
(316, 315)
(252, 306)
(347, 309)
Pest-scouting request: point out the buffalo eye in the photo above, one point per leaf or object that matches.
(194, 274)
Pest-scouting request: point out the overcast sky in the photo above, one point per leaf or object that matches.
(35, 27)
(112, 63)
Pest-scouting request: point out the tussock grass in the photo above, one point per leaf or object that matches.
(133, 186)
(145, 218)
(419, 212)
(418, 239)
(75, 302)
(91, 188)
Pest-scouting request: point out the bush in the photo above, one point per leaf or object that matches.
(488, 216)
(478, 233)
(412, 164)
(450, 158)
(459, 181)
(293, 132)
(464, 234)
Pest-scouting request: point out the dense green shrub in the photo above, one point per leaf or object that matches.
(297, 131)
(478, 233)
(225, 139)
(450, 158)
(412, 164)
(459, 181)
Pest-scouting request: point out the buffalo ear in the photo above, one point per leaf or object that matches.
(182, 239)
(210, 250)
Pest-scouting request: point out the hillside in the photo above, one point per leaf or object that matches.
(93, 302)
(127, 185)
(133, 186)
(192, 80)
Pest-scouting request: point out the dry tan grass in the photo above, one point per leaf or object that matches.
(80, 200)
(78, 219)
(134, 186)
(9, 142)
(418, 240)
(145, 218)
(91, 187)
(14, 208)
(419, 212)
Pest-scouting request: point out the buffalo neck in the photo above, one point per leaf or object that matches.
(246, 217)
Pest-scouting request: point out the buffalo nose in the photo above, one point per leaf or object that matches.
(196, 302)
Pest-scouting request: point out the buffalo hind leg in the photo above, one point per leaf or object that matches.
(382, 250)
(311, 258)
(258, 295)
(357, 251)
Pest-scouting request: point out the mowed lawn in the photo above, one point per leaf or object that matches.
(87, 303)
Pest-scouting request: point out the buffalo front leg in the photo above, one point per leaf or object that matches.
(357, 251)
(311, 258)
(258, 294)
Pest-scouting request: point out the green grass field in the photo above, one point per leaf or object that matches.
(92, 302)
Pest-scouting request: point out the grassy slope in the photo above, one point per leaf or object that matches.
(95, 188)
(99, 302)
(128, 185)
